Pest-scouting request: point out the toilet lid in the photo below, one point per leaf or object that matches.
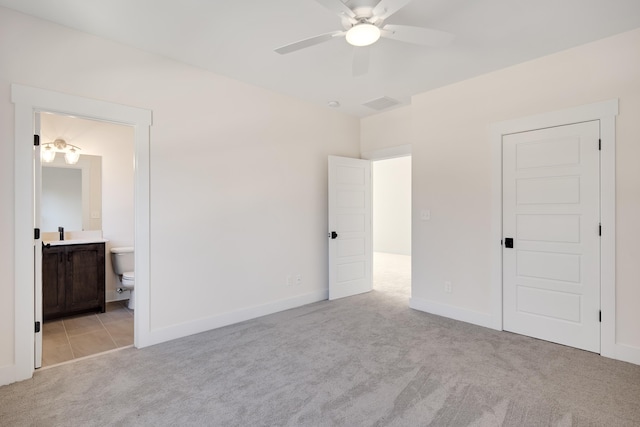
(129, 275)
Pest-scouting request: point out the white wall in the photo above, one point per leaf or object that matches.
(114, 144)
(384, 130)
(392, 205)
(238, 174)
(451, 156)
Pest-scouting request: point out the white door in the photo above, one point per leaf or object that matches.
(37, 246)
(350, 248)
(551, 211)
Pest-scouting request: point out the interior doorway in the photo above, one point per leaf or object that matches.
(105, 211)
(391, 207)
(29, 101)
(605, 113)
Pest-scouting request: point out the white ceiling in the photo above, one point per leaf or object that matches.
(236, 39)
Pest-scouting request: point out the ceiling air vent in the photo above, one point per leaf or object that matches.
(381, 103)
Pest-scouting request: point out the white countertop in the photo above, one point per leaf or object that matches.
(73, 242)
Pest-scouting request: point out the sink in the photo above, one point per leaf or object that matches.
(73, 237)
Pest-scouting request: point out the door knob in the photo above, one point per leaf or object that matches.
(508, 242)
(333, 235)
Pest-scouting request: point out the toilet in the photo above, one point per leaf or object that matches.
(122, 261)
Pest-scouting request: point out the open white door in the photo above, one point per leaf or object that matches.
(37, 244)
(350, 242)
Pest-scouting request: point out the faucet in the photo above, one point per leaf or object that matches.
(61, 231)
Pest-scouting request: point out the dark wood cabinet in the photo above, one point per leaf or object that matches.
(53, 280)
(73, 279)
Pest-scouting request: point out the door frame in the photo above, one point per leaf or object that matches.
(605, 112)
(27, 101)
(37, 254)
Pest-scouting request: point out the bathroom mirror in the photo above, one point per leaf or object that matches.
(72, 194)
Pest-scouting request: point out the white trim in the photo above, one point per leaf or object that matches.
(27, 101)
(8, 374)
(112, 296)
(583, 113)
(452, 312)
(24, 311)
(608, 238)
(387, 153)
(626, 353)
(158, 336)
(605, 112)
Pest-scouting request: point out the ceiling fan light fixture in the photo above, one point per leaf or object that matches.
(363, 34)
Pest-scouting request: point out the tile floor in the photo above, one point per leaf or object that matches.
(86, 334)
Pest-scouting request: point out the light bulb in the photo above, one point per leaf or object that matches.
(72, 157)
(363, 34)
(47, 154)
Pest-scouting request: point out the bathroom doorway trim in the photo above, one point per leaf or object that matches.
(27, 101)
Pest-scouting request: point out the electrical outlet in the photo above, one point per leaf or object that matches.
(448, 288)
(299, 279)
(289, 280)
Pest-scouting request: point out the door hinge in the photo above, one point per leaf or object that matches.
(36, 233)
(37, 327)
(600, 144)
(501, 243)
(36, 140)
(599, 229)
(600, 316)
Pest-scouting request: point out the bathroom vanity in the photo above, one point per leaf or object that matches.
(73, 277)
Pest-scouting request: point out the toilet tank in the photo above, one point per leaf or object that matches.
(122, 260)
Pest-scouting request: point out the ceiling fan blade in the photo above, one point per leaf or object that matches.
(386, 8)
(417, 35)
(361, 57)
(307, 42)
(336, 6)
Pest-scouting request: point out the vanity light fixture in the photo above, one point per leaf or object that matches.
(49, 150)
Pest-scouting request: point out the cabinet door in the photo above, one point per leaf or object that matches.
(53, 278)
(85, 277)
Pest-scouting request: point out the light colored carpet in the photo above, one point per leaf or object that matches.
(366, 360)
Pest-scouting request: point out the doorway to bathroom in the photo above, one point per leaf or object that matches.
(28, 103)
(89, 199)
(391, 206)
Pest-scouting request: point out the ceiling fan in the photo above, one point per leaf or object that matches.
(363, 25)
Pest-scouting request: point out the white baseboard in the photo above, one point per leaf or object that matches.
(626, 353)
(452, 312)
(112, 296)
(201, 325)
(8, 374)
